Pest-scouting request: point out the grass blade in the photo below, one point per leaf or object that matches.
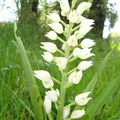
(26, 107)
(102, 98)
(92, 83)
(32, 86)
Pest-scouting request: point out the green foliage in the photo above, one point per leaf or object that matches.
(92, 83)
(32, 86)
(15, 102)
(102, 98)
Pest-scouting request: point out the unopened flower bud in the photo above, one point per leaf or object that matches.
(75, 77)
(54, 17)
(76, 52)
(42, 74)
(51, 35)
(65, 7)
(51, 47)
(82, 99)
(45, 77)
(85, 53)
(48, 83)
(87, 43)
(77, 114)
(85, 65)
(47, 105)
(57, 27)
(48, 56)
(82, 7)
(73, 17)
(66, 112)
(53, 95)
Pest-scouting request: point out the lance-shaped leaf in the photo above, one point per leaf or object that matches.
(92, 83)
(32, 85)
(102, 98)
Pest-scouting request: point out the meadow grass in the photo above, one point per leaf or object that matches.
(15, 103)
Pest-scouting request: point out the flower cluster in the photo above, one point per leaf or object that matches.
(74, 46)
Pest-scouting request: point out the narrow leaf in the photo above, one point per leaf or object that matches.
(32, 85)
(92, 83)
(102, 98)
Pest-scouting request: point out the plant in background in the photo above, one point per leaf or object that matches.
(74, 46)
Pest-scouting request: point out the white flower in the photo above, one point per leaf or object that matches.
(42, 75)
(54, 17)
(51, 35)
(85, 65)
(87, 43)
(75, 77)
(73, 17)
(87, 22)
(48, 83)
(50, 47)
(66, 112)
(45, 77)
(82, 7)
(85, 53)
(65, 7)
(76, 52)
(47, 105)
(61, 62)
(48, 56)
(77, 114)
(72, 41)
(53, 95)
(57, 27)
(83, 31)
(85, 27)
(78, 34)
(82, 99)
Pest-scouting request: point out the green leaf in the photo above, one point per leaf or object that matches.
(32, 85)
(102, 98)
(92, 83)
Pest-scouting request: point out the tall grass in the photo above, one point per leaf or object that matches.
(15, 103)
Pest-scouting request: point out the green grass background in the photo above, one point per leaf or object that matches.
(15, 103)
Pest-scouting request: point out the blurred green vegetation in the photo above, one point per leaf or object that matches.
(15, 103)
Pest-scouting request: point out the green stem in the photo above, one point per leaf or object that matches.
(61, 52)
(77, 27)
(68, 84)
(63, 89)
(69, 105)
(72, 70)
(55, 80)
(63, 23)
(74, 58)
(68, 119)
(61, 40)
(70, 56)
(49, 116)
(62, 97)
